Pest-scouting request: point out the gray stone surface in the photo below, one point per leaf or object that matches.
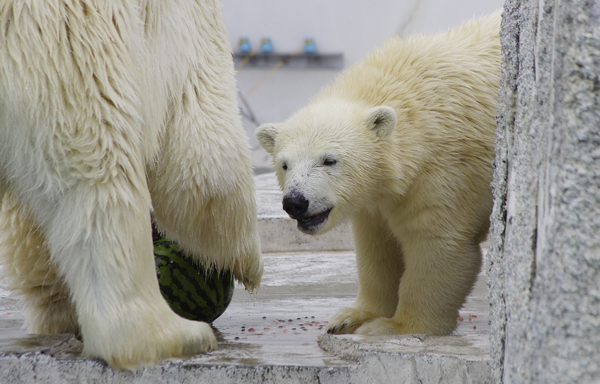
(544, 260)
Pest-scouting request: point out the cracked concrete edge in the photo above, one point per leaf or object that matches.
(414, 358)
(36, 367)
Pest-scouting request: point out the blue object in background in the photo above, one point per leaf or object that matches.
(265, 45)
(309, 46)
(244, 45)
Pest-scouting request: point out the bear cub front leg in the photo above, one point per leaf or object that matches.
(380, 266)
(436, 282)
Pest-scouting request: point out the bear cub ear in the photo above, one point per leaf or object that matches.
(266, 135)
(382, 120)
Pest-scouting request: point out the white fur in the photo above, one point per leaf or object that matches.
(108, 111)
(412, 131)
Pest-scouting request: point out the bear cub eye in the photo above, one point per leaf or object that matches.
(329, 162)
(284, 166)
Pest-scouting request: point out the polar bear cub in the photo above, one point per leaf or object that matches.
(402, 145)
(110, 110)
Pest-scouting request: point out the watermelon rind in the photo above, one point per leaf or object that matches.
(192, 291)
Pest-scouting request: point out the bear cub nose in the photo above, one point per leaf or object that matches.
(295, 204)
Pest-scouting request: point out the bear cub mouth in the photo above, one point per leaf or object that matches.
(310, 224)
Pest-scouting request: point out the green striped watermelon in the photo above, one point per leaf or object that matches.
(191, 291)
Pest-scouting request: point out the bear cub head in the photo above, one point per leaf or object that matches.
(328, 158)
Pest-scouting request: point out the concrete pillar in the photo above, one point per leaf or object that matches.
(544, 260)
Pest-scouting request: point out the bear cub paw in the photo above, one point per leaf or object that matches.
(348, 320)
(381, 326)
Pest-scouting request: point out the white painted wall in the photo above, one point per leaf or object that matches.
(351, 27)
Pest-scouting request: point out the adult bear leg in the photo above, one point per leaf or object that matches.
(380, 267)
(101, 241)
(202, 183)
(31, 273)
(73, 148)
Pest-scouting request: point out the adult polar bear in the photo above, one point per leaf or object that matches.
(402, 144)
(108, 110)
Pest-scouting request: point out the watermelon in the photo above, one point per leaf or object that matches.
(192, 291)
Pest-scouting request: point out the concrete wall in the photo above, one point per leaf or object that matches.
(544, 259)
(352, 28)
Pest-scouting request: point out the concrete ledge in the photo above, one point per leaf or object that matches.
(278, 233)
(398, 359)
(414, 358)
(49, 364)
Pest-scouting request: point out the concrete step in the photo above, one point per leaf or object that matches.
(278, 233)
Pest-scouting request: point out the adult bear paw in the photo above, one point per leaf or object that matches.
(248, 271)
(134, 342)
